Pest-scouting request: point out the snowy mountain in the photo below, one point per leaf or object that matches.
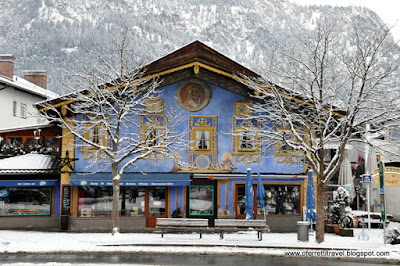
(55, 34)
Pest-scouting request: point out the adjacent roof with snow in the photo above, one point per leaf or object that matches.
(28, 127)
(29, 164)
(24, 85)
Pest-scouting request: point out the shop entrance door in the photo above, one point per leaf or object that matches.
(156, 199)
(240, 203)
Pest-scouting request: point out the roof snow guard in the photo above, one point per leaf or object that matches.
(29, 164)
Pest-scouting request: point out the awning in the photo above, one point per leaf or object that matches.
(27, 183)
(131, 179)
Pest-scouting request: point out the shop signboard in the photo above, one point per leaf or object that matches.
(66, 200)
(392, 176)
(4, 193)
(366, 179)
(382, 189)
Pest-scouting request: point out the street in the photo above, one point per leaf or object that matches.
(167, 259)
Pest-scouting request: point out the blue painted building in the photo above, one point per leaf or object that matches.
(202, 84)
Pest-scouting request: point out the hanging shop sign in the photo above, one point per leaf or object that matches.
(392, 176)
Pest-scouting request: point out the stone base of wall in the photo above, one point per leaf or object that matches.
(284, 224)
(47, 223)
(105, 224)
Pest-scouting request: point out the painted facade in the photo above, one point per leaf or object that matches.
(211, 183)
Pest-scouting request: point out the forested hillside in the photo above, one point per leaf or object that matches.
(55, 34)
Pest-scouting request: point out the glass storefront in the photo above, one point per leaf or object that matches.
(97, 201)
(157, 201)
(241, 201)
(201, 200)
(281, 199)
(25, 201)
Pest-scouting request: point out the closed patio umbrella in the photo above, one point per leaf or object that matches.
(346, 176)
(261, 193)
(249, 194)
(311, 214)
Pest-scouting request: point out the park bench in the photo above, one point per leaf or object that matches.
(235, 225)
(182, 225)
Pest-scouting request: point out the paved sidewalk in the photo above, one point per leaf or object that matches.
(246, 243)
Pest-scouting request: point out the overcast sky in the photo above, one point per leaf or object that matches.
(388, 10)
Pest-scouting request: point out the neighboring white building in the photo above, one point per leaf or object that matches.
(17, 95)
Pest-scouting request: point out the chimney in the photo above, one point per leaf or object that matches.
(7, 65)
(37, 77)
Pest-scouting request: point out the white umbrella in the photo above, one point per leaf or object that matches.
(370, 165)
(346, 176)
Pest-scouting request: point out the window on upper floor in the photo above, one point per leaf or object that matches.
(14, 108)
(14, 140)
(155, 106)
(246, 141)
(23, 110)
(243, 108)
(152, 128)
(53, 144)
(285, 147)
(94, 132)
(394, 133)
(202, 137)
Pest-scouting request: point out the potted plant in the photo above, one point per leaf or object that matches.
(176, 213)
(334, 216)
(347, 223)
(336, 213)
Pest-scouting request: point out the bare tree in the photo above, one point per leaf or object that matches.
(113, 114)
(324, 93)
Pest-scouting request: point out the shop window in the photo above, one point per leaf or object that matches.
(25, 201)
(241, 201)
(97, 201)
(281, 200)
(157, 201)
(201, 200)
(132, 200)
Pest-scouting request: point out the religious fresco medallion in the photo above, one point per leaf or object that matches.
(193, 95)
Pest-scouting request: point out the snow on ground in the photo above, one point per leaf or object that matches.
(238, 243)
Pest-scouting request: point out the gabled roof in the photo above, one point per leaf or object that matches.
(197, 60)
(200, 53)
(24, 85)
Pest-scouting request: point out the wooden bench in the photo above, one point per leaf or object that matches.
(182, 225)
(235, 225)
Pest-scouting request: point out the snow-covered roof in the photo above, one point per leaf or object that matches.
(28, 163)
(27, 86)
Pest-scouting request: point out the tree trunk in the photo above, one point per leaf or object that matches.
(320, 224)
(115, 206)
